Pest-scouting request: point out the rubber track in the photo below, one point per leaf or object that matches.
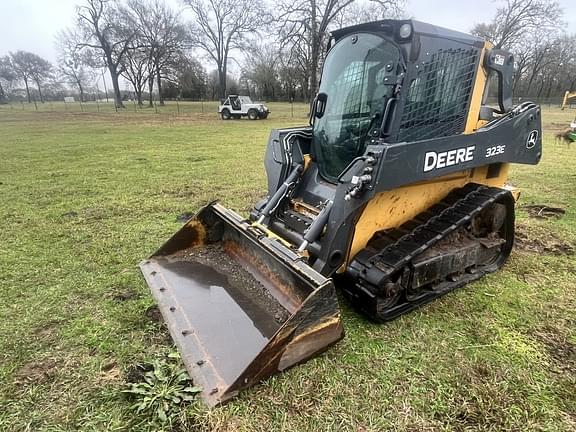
(390, 251)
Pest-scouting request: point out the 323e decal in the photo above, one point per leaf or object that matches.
(496, 150)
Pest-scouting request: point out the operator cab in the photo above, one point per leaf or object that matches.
(383, 84)
(390, 81)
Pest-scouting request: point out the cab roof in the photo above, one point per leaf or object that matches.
(391, 27)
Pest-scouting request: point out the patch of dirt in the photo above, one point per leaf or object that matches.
(551, 244)
(122, 294)
(542, 211)
(238, 278)
(190, 189)
(562, 352)
(110, 372)
(197, 159)
(160, 335)
(69, 214)
(154, 314)
(556, 126)
(36, 372)
(47, 330)
(95, 213)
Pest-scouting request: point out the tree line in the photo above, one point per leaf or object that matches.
(545, 54)
(278, 46)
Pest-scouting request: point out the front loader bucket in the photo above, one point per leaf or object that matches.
(240, 305)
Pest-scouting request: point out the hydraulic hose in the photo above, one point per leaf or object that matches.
(280, 193)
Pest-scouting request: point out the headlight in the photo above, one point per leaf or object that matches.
(405, 31)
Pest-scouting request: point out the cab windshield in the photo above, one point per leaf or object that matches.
(358, 79)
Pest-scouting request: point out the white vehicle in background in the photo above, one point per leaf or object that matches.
(242, 106)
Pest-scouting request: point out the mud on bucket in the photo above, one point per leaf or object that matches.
(240, 305)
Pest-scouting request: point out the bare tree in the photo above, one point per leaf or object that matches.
(569, 63)
(260, 71)
(104, 28)
(222, 26)
(556, 74)
(7, 77)
(192, 79)
(362, 11)
(536, 60)
(73, 62)
(292, 76)
(21, 71)
(306, 24)
(150, 85)
(517, 18)
(161, 32)
(212, 85)
(545, 59)
(185, 78)
(31, 67)
(137, 69)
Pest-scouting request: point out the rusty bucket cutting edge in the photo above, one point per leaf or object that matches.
(233, 332)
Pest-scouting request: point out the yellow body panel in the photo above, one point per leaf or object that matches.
(392, 208)
(472, 121)
(567, 96)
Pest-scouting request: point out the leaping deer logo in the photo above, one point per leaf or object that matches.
(532, 138)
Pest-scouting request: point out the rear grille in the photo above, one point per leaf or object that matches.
(438, 98)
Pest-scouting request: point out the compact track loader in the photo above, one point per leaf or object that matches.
(395, 193)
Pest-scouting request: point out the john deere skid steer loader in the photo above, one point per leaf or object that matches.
(396, 194)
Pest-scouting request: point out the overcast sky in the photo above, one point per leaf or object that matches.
(31, 25)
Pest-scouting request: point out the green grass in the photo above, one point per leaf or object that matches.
(86, 196)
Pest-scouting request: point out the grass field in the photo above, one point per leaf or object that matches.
(85, 196)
